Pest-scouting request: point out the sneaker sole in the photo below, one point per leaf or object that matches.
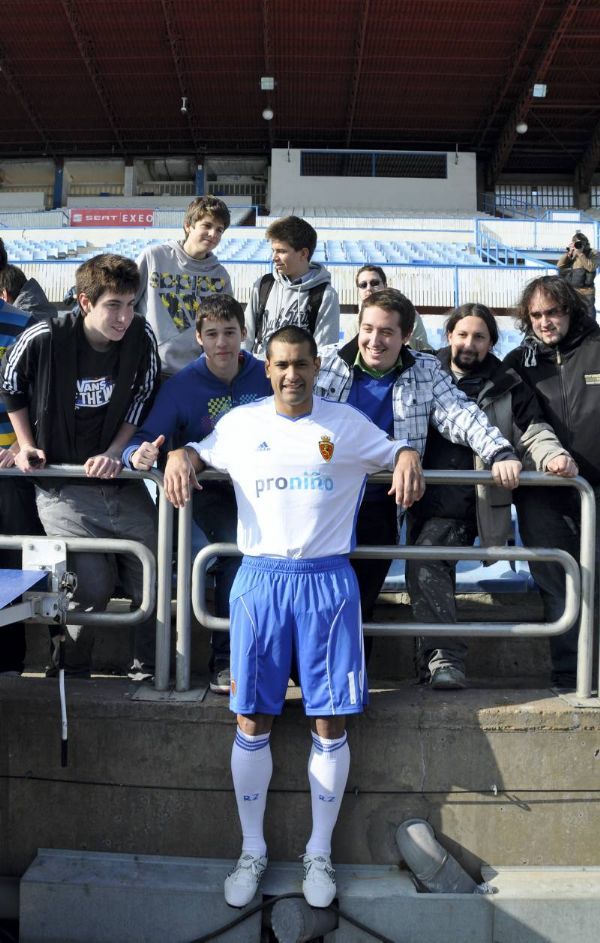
(220, 689)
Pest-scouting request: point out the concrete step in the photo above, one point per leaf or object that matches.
(69, 897)
(503, 775)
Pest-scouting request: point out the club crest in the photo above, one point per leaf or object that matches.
(326, 447)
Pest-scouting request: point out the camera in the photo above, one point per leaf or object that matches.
(578, 244)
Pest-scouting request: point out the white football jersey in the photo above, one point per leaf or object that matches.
(298, 482)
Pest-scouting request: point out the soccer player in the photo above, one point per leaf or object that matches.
(298, 465)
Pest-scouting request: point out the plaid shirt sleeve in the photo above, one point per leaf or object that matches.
(425, 393)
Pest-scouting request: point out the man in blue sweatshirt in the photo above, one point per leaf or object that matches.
(187, 409)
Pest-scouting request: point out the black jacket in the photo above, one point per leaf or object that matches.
(566, 379)
(39, 371)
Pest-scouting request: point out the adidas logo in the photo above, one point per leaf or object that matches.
(263, 447)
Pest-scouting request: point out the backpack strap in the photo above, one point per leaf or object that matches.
(315, 298)
(264, 290)
(313, 305)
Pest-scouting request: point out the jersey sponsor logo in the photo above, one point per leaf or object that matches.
(251, 796)
(309, 481)
(93, 393)
(263, 447)
(326, 447)
(592, 379)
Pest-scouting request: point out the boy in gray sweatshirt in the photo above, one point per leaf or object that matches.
(176, 276)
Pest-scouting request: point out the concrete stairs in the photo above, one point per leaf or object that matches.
(71, 897)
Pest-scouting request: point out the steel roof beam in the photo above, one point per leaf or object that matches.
(358, 62)
(26, 105)
(523, 47)
(175, 44)
(86, 51)
(588, 164)
(268, 58)
(508, 134)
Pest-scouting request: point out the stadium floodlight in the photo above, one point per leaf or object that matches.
(267, 83)
(539, 90)
(268, 114)
(522, 127)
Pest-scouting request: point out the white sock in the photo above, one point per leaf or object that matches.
(328, 767)
(251, 768)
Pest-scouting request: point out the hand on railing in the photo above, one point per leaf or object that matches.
(146, 454)
(105, 465)
(563, 465)
(180, 477)
(7, 458)
(506, 473)
(408, 484)
(30, 459)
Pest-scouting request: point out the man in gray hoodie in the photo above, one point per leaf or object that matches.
(175, 276)
(298, 292)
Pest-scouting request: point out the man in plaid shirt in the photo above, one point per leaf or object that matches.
(403, 391)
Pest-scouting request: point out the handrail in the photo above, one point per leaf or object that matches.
(163, 561)
(584, 582)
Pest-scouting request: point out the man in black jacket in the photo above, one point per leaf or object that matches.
(75, 389)
(559, 358)
(453, 515)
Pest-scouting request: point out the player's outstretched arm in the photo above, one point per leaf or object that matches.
(180, 475)
(408, 483)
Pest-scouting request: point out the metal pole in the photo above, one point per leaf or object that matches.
(184, 599)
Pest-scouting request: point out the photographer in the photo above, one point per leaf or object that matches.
(578, 266)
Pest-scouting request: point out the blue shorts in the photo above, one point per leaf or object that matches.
(310, 608)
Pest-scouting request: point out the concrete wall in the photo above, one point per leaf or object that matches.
(457, 192)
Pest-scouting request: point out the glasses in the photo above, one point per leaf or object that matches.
(372, 284)
(556, 312)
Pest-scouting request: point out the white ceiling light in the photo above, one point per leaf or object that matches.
(522, 127)
(268, 114)
(540, 90)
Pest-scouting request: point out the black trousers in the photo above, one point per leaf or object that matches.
(377, 523)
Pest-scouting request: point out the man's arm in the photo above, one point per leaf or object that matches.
(29, 457)
(180, 475)
(108, 464)
(163, 420)
(250, 318)
(408, 483)
(460, 420)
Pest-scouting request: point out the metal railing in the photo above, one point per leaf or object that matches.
(579, 578)
(93, 544)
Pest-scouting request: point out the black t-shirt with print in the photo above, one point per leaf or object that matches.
(96, 377)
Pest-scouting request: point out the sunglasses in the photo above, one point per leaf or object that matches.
(373, 284)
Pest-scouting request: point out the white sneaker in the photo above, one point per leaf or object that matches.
(318, 885)
(241, 884)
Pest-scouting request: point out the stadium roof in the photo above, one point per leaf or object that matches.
(107, 78)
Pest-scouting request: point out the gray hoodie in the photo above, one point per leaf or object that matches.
(172, 282)
(286, 304)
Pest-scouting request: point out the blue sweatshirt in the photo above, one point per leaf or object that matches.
(190, 404)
